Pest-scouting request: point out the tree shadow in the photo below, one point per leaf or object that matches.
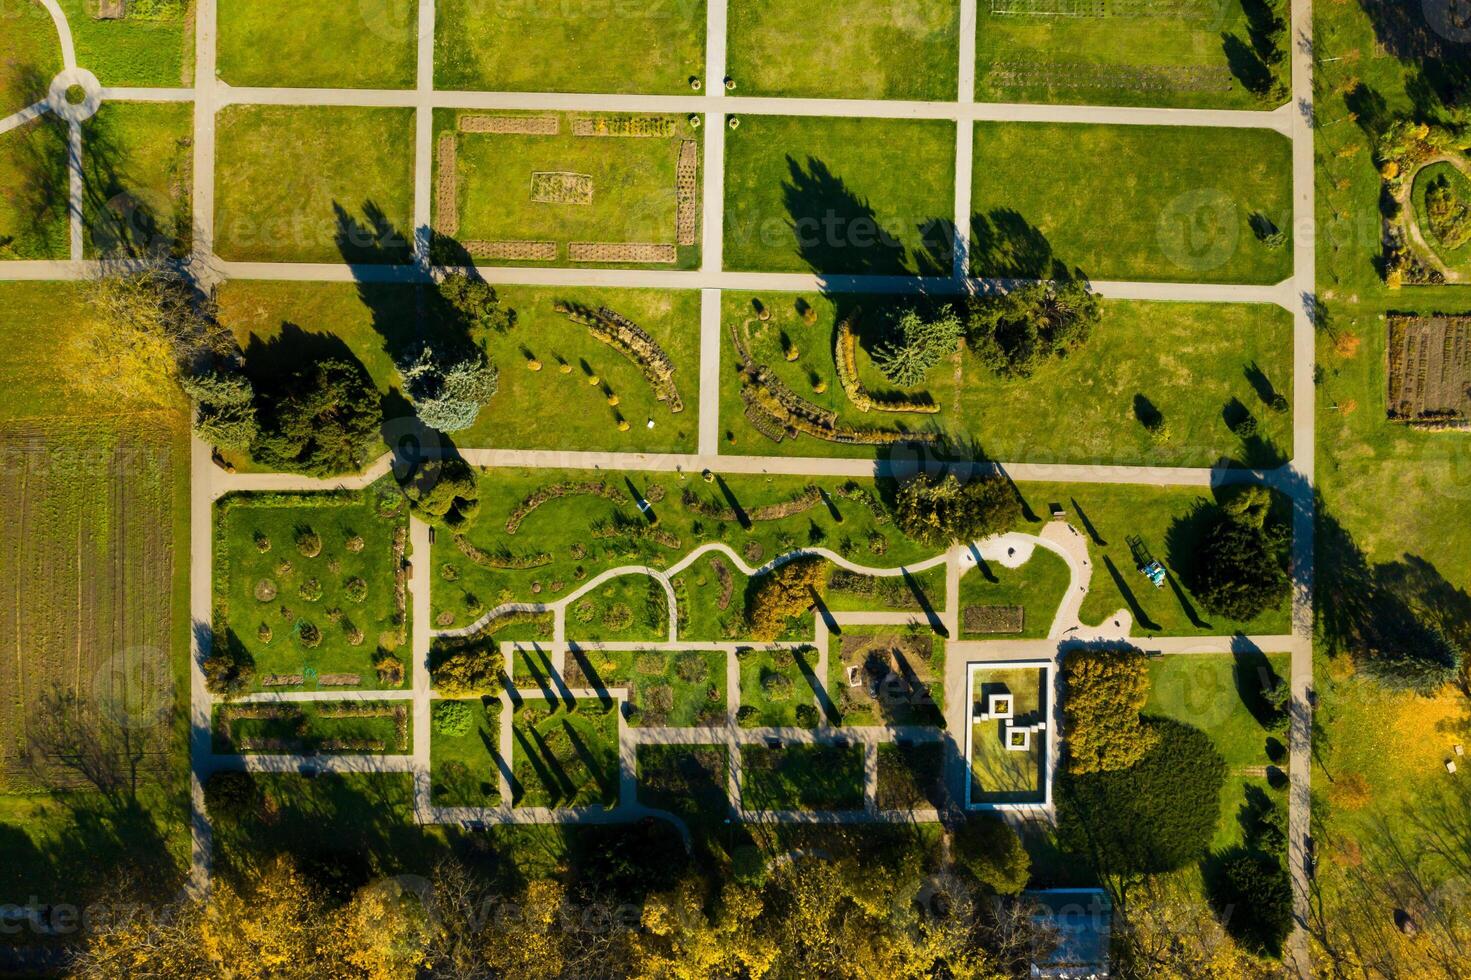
(1141, 618)
(1005, 245)
(1433, 40)
(1088, 524)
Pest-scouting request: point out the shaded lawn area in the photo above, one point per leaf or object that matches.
(315, 184)
(634, 182)
(832, 195)
(652, 48)
(148, 47)
(32, 57)
(1038, 587)
(1168, 203)
(1115, 60)
(531, 409)
(137, 166)
(774, 683)
(867, 49)
(911, 777)
(802, 777)
(559, 537)
(1000, 774)
(677, 689)
(357, 727)
(922, 593)
(687, 780)
(278, 44)
(344, 590)
(33, 208)
(464, 770)
(1195, 363)
(1161, 517)
(564, 758)
(900, 674)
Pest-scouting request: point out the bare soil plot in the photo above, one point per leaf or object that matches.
(1429, 368)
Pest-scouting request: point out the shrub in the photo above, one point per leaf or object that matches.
(691, 667)
(355, 589)
(1105, 691)
(1257, 893)
(475, 302)
(468, 669)
(264, 634)
(353, 633)
(308, 634)
(747, 716)
(658, 698)
(649, 663)
(786, 591)
(945, 510)
(807, 715)
(448, 392)
(308, 542)
(1016, 332)
(782, 658)
(585, 611)
(451, 718)
(354, 543)
(777, 687)
(228, 669)
(991, 851)
(310, 590)
(921, 344)
(444, 492)
(617, 617)
(1157, 815)
(262, 542)
(1238, 570)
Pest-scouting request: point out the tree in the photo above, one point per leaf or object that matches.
(476, 303)
(1255, 895)
(922, 344)
(989, 849)
(228, 796)
(945, 510)
(448, 394)
(785, 591)
(1238, 568)
(468, 669)
(1016, 332)
(445, 492)
(1166, 930)
(1106, 689)
(318, 419)
(224, 410)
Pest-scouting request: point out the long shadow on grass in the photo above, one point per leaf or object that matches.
(1141, 618)
(1433, 40)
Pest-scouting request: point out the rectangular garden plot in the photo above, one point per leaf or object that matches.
(802, 777)
(886, 676)
(777, 687)
(307, 728)
(1429, 369)
(464, 755)
(911, 776)
(689, 780)
(312, 588)
(564, 756)
(1008, 737)
(567, 188)
(677, 689)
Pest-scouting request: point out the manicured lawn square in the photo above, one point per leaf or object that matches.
(1000, 774)
(152, 46)
(314, 184)
(885, 676)
(610, 186)
(465, 769)
(1165, 54)
(860, 49)
(1224, 696)
(802, 777)
(280, 43)
(307, 585)
(653, 47)
(33, 192)
(873, 196)
(1000, 603)
(565, 758)
(1169, 203)
(777, 688)
(136, 164)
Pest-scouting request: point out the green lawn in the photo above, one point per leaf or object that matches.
(689, 780)
(465, 769)
(632, 197)
(919, 593)
(678, 689)
(802, 777)
(152, 46)
(898, 676)
(1160, 517)
(137, 168)
(831, 195)
(1458, 259)
(911, 776)
(1000, 774)
(630, 607)
(371, 319)
(278, 44)
(861, 49)
(570, 538)
(314, 184)
(649, 48)
(1195, 363)
(711, 595)
(1170, 54)
(774, 683)
(31, 58)
(1169, 203)
(1038, 587)
(356, 727)
(564, 758)
(284, 563)
(33, 207)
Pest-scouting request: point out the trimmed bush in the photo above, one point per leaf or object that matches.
(310, 590)
(776, 687)
(355, 589)
(308, 542)
(468, 669)
(1105, 691)
(691, 667)
(451, 718)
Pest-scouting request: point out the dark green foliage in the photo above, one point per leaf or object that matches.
(476, 303)
(921, 344)
(229, 668)
(444, 492)
(1254, 896)
(989, 849)
(1155, 816)
(1015, 333)
(448, 392)
(1449, 211)
(230, 796)
(1237, 569)
(942, 511)
(318, 420)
